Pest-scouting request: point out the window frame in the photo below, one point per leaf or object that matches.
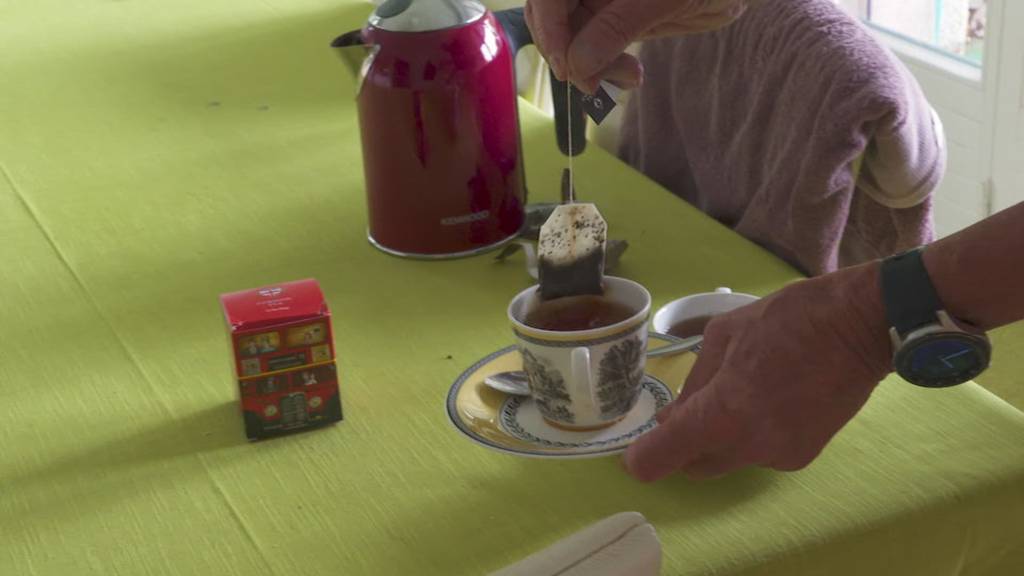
(924, 52)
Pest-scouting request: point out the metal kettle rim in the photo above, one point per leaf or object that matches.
(389, 15)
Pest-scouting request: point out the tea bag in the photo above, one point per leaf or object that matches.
(572, 252)
(572, 240)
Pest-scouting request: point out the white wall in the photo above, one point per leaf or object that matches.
(1008, 110)
(962, 197)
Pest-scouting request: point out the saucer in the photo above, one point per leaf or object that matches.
(513, 424)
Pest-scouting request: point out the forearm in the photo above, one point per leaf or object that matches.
(979, 272)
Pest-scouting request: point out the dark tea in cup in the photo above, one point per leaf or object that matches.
(688, 327)
(574, 313)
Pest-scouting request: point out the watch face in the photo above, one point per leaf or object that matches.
(939, 360)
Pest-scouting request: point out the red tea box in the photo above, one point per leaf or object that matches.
(284, 357)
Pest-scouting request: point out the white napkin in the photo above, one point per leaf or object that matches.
(621, 545)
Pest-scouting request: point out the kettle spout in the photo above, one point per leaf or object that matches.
(352, 50)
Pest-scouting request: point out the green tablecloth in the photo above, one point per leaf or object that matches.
(154, 155)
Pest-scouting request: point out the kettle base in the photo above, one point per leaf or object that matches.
(442, 256)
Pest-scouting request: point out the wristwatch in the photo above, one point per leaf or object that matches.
(930, 348)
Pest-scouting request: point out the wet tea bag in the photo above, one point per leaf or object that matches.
(572, 252)
(572, 243)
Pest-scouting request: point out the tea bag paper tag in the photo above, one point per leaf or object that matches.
(601, 104)
(572, 251)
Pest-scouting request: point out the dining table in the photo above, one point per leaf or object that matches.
(154, 155)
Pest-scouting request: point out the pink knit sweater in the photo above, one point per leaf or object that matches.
(759, 125)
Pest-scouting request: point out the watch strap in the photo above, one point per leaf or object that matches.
(907, 292)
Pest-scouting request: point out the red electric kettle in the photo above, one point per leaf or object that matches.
(436, 95)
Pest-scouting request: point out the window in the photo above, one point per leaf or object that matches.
(955, 27)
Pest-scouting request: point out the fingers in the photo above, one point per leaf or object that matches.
(708, 363)
(625, 71)
(792, 455)
(693, 431)
(792, 462)
(619, 23)
(690, 25)
(548, 21)
(661, 416)
(714, 15)
(612, 29)
(714, 466)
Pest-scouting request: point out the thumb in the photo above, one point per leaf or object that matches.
(612, 29)
(675, 442)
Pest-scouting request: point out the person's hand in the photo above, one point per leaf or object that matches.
(775, 381)
(584, 40)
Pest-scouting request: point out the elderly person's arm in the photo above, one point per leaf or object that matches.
(777, 379)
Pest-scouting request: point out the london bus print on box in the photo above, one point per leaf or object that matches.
(284, 357)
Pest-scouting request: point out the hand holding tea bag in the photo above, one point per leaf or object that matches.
(572, 252)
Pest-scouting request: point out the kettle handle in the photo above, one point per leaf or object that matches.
(517, 34)
(353, 38)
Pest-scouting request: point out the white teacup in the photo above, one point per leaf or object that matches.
(585, 379)
(720, 301)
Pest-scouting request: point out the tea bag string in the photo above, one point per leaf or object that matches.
(568, 125)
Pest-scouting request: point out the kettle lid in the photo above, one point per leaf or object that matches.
(425, 15)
